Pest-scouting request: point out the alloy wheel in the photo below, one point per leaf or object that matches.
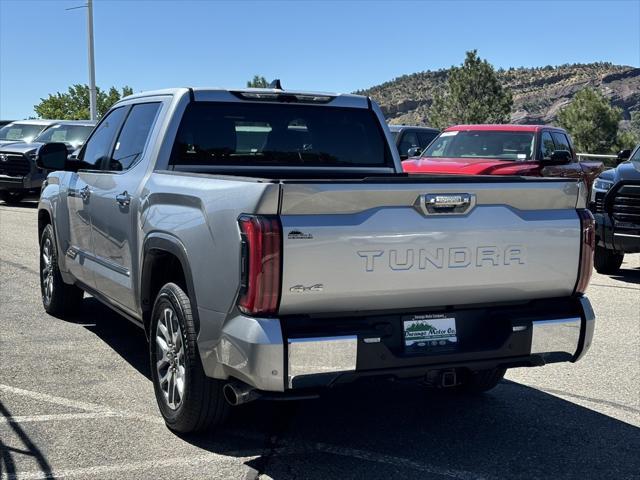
(47, 270)
(170, 364)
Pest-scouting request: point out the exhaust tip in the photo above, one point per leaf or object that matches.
(230, 394)
(237, 393)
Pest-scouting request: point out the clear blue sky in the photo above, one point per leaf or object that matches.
(332, 45)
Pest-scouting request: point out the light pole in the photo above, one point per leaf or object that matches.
(93, 111)
(92, 63)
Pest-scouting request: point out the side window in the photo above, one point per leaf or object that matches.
(409, 140)
(98, 146)
(561, 141)
(133, 136)
(546, 145)
(426, 138)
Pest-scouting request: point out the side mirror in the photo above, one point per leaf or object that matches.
(561, 156)
(414, 152)
(52, 156)
(622, 156)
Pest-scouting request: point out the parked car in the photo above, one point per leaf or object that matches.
(19, 175)
(615, 203)
(269, 246)
(412, 140)
(529, 150)
(23, 130)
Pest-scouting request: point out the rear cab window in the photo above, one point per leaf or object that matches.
(264, 135)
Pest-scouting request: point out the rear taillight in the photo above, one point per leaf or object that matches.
(260, 264)
(587, 246)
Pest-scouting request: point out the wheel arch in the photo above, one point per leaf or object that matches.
(44, 218)
(164, 259)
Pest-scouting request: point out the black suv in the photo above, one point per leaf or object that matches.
(19, 175)
(412, 140)
(615, 203)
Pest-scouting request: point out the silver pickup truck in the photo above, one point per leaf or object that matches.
(268, 245)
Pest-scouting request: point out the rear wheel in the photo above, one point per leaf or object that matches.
(11, 198)
(58, 298)
(189, 401)
(607, 261)
(481, 380)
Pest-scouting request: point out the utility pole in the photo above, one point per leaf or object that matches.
(92, 65)
(93, 109)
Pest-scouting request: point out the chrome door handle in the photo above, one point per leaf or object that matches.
(85, 193)
(123, 199)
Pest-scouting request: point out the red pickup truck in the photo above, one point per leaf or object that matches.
(528, 150)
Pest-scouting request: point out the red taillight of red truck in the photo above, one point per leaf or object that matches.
(260, 264)
(587, 247)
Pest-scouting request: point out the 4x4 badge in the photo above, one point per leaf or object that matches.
(318, 287)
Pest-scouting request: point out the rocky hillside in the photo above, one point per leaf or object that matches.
(538, 93)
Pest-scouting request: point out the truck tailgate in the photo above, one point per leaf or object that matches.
(350, 246)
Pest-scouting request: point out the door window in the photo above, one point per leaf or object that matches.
(547, 146)
(133, 136)
(561, 141)
(99, 144)
(409, 140)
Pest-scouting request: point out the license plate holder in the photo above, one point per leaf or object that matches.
(429, 333)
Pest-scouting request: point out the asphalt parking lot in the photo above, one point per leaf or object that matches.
(76, 401)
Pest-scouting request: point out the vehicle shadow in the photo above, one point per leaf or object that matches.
(403, 430)
(629, 275)
(125, 338)
(24, 204)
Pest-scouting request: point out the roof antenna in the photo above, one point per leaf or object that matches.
(276, 84)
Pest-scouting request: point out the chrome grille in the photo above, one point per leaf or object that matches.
(14, 165)
(598, 205)
(625, 205)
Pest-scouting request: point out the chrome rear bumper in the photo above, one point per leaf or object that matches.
(258, 353)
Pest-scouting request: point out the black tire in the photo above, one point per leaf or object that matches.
(58, 298)
(481, 380)
(11, 198)
(607, 261)
(201, 405)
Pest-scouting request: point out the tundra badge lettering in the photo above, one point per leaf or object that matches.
(453, 257)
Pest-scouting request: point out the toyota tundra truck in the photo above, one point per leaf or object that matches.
(270, 246)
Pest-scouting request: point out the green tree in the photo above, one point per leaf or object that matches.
(471, 94)
(593, 123)
(258, 82)
(74, 104)
(626, 139)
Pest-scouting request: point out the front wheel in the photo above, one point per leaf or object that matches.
(11, 198)
(607, 261)
(58, 298)
(189, 401)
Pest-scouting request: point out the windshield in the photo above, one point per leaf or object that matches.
(508, 146)
(75, 135)
(267, 134)
(20, 132)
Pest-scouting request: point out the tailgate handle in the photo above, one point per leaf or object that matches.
(445, 203)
